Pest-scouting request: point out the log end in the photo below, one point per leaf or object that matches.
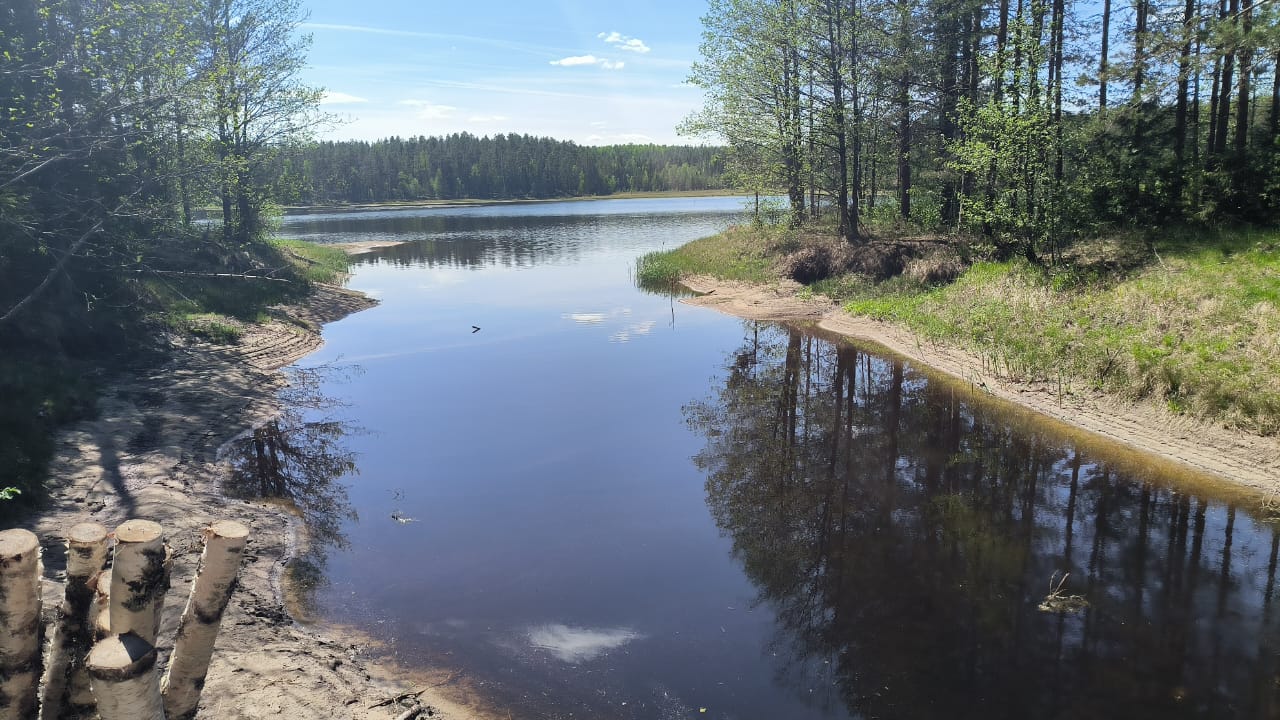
(139, 531)
(89, 533)
(17, 545)
(121, 657)
(229, 529)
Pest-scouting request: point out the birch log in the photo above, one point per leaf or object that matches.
(139, 579)
(19, 624)
(215, 580)
(101, 610)
(122, 672)
(73, 636)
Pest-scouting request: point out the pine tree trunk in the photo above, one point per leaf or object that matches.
(1224, 92)
(20, 636)
(198, 629)
(1103, 58)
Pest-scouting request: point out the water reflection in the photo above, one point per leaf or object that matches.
(298, 457)
(517, 236)
(904, 537)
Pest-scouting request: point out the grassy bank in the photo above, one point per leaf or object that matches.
(63, 351)
(1191, 320)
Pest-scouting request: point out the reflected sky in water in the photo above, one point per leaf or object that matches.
(624, 507)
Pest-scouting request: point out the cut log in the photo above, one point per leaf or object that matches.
(215, 581)
(73, 636)
(101, 610)
(19, 624)
(122, 672)
(139, 579)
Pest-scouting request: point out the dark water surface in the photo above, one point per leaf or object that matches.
(606, 504)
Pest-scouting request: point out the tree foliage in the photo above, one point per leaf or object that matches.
(498, 167)
(1014, 120)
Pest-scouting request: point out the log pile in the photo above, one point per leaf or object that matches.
(101, 654)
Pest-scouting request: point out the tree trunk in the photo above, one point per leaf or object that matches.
(1183, 102)
(73, 637)
(1103, 59)
(139, 579)
(1275, 98)
(20, 636)
(122, 669)
(1224, 92)
(215, 581)
(1242, 103)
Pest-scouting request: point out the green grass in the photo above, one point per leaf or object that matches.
(316, 263)
(739, 253)
(216, 328)
(1197, 327)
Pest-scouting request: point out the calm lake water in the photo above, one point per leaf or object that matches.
(606, 504)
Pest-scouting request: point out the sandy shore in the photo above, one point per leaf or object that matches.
(1190, 447)
(151, 454)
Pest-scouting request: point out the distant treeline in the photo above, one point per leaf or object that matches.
(499, 167)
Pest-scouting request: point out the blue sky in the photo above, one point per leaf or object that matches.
(592, 72)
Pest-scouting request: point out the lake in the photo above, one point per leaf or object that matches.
(604, 503)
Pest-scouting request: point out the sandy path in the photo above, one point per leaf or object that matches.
(1244, 460)
(151, 454)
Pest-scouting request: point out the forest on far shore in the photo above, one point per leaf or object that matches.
(501, 167)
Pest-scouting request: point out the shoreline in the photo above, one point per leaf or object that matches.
(482, 202)
(152, 453)
(1200, 453)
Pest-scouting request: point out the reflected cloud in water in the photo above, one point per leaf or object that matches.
(576, 645)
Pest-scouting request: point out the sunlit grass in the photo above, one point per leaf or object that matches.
(1197, 327)
(739, 253)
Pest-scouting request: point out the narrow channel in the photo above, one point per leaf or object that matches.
(598, 502)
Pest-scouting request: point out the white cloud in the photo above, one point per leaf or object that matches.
(605, 63)
(339, 98)
(622, 42)
(430, 111)
(487, 118)
(576, 60)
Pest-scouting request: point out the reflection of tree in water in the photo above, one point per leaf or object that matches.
(299, 459)
(904, 538)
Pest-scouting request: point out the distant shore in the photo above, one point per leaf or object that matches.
(476, 202)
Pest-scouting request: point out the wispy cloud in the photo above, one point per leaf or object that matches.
(574, 60)
(339, 98)
(622, 42)
(452, 37)
(428, 110)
